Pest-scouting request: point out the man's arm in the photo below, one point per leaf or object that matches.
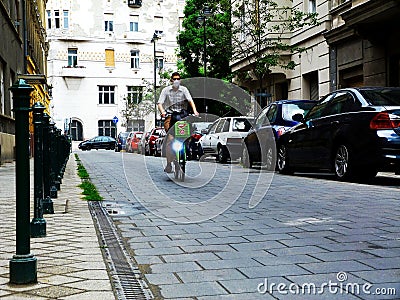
(161, 101)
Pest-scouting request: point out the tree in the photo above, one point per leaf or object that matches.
(261, 32)
(218, 39)
(140, 103)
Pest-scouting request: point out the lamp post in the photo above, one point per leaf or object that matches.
(204, 15)
(153, 40)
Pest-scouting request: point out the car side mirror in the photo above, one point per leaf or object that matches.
(298, 118)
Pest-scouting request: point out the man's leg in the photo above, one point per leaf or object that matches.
(168, 146)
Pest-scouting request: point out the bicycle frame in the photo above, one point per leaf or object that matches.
(182, 132)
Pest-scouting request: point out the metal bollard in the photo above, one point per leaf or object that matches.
(53, 161)
(48, 207)
(23, 265)
(38, 223)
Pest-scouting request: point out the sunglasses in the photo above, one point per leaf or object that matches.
(173, 79)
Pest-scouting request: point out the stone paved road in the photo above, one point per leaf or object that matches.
(310, 237)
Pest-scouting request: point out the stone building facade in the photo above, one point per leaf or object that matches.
(355, 43)
(101, 55)
(22, 52)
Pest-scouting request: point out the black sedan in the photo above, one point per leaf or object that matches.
(271, 123)
(353, 132)
(98, 142)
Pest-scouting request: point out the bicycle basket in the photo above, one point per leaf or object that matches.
(182, 129)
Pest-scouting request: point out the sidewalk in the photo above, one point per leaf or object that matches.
(70, 262)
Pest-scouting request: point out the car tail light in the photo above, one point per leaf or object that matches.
(280, 131)
(384, 120)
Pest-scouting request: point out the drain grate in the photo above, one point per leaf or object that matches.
(126, 277)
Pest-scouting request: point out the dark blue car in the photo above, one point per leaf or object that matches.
(352, 132)
(259, 146)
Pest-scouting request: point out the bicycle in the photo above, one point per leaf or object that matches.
(182, 133)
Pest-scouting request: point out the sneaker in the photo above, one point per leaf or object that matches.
(168, 169)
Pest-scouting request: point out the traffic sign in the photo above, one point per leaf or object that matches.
(115, 120)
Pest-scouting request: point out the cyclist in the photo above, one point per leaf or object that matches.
(173, 105)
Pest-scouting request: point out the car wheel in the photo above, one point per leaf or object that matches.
(270, 159)
(146, 150)
(282, 161)
(342, 163)
(246, 161)
(222, 155)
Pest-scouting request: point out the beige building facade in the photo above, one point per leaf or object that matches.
(354, 43)
(101, 54)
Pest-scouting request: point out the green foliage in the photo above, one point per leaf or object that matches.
(218, 40)
(89, 190)
(261, 34)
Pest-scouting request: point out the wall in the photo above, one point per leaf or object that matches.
(7, 146)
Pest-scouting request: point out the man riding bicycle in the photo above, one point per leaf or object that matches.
(173, 104)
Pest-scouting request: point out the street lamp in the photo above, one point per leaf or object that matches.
(153, 40)
(204, 15)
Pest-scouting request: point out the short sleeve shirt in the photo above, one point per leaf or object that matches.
(175, 100)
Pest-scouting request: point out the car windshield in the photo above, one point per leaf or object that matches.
(381, 97)
(124, 134)
(241, 124)
(290, 109)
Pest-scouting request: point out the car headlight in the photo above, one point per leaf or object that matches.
(177, 146)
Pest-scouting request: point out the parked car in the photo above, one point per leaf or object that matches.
(353, 132)
(121, 141)
(98, 142)
(142, 143)
(159, 143)
(215, 141)
(194, 149)
(259, 145)
(150, 146)
(132, 141)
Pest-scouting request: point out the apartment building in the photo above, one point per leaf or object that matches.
(23, 53)
(103, 53)
(354, 43)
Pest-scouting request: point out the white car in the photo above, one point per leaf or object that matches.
(225, 136)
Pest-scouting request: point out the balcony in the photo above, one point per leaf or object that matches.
(76, 72)
(134, 3)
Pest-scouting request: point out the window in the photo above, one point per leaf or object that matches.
(160, 62)
(110, 58)
(226, 126)
(242, 24)
(135, 94)
(66, 18)
(220, 126)
(72, 57)
(135, 59)
(48, 19)
(317, 110)
(107, 128)
(106, 94)
(159, 24)
(134, 24)
(272, 113)
(312, 6)
(57, 18)
(108, 22)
